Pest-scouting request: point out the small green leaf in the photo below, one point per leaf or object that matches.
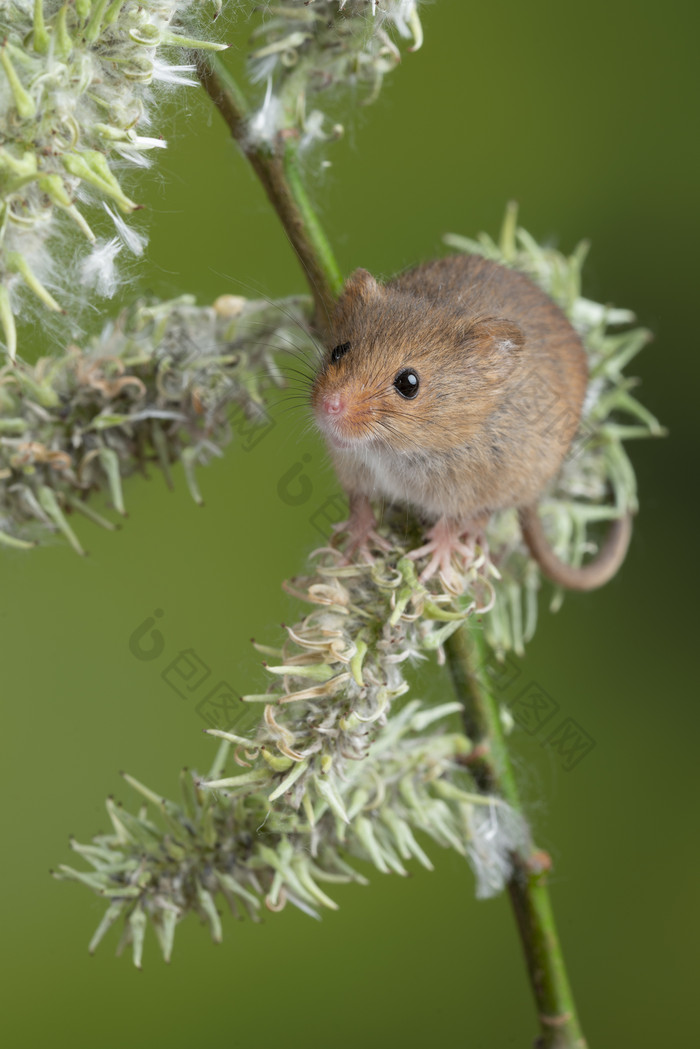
(26, 107)
(49, 503)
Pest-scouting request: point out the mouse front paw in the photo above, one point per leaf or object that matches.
(452, 549)
(361, 533)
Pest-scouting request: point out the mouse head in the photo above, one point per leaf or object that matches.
(406, 371)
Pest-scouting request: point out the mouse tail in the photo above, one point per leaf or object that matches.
(586, 577)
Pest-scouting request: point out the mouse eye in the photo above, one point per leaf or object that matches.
(339, 351)
(406, 382)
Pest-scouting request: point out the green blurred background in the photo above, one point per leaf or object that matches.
(582, 113)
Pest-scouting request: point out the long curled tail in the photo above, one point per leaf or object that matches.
(597, 572)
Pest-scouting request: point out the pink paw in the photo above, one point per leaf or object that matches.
(450, 555)
(361, 532)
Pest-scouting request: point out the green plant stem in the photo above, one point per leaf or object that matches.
(277, 169)
(529, 895)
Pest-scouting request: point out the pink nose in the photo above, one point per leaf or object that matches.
(333, 404)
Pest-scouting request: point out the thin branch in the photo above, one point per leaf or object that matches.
(277, 170)
(493, 770)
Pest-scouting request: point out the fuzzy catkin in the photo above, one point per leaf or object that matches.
(338, 771)
(344, 762)
(76, 94)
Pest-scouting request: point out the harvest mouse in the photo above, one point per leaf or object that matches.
(456, 389)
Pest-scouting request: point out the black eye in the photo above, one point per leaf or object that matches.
(406, 382)
(339, 351)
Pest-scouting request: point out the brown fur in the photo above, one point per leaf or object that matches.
(502, 379)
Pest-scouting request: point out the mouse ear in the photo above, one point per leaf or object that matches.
(361, 282)
(496, 344)
(359, 288)
(497, 335)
